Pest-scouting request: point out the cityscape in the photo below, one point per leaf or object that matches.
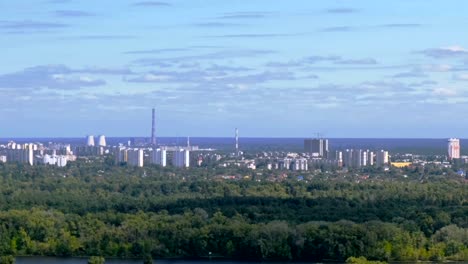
(146, 151)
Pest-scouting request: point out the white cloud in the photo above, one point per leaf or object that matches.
(454, 48)
(461, 77)
(437, 67)
(445, 92)
(240, 87)
(446, 52)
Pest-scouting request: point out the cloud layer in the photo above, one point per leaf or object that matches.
(257, 64)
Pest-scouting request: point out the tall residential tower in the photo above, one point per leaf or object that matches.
(453, 148)
(317, 146)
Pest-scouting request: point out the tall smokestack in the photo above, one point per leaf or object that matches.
(153, 128)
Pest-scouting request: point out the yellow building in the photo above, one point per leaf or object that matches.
(401, 164)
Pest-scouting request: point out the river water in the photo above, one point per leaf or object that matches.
(47, 260)
(50, 260)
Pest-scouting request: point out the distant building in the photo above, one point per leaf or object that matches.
(284, 164)
(22, 154)
(381, 158)
(49, 160)
(453, 148)
(299, 165)
(364, 158)
(357, 158)
(401, 164)
(85, 151)
(158, 156)
(338, 158)
(330, 162)
(370, 158)
(121, 155)
(60, 161)
(11, 145)
(348, 158)
(181, 158)
(135, 157)
(319, 146)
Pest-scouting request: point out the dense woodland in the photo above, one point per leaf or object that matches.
(96, 209)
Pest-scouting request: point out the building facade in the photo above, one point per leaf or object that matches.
(181, 158)
(453, 148)
(299, 165)
(135, 157)
(381, 158)
(316, 146)
(158, 157)
(22, 154)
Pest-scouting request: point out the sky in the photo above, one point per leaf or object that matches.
(272, 68)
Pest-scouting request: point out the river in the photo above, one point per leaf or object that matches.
(50, 260)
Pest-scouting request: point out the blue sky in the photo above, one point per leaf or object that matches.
(344, 68)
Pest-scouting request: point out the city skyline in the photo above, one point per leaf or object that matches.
(347, 69)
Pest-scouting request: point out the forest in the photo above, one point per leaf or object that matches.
(95, 209)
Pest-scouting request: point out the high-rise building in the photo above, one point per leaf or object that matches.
(135, 157)
(317, 146)
(357, 158)
(381, 158)
(121, 155)
(348, 158)
(90, 141)
(370, 158)
(22, 154)
(158, 156)
(181, 158)
(453, 148)
(364, 158)
(339, 158)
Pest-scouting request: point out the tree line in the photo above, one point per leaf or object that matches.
(98, 210)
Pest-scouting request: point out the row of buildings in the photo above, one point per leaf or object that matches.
(136, 156)
(31, 153)
(351, 158)
(296, 164)
(357, 158)
(317, 149)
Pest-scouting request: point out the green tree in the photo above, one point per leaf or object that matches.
(96, 260)
(7, 259)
